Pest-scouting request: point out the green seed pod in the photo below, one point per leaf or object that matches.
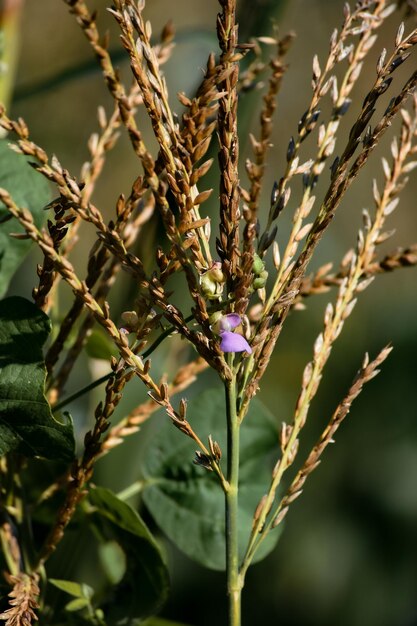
(258, 265)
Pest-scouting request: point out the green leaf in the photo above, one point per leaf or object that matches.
(77, 605)
(28, 189)
(27, 425)
(113, 561)
(145, 585)
(99, 345)
(187, 501)
(77, 590)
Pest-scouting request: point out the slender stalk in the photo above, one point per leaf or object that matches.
(60, 405)
(167, 332)
(234, 584)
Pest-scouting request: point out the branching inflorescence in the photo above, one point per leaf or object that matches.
(238, 303)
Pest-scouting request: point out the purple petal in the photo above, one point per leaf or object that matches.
(233, 342)
(229, 321)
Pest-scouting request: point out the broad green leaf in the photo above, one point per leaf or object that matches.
(145, 585)
(28, 189)
(187, 501)
(77, 590)
(27, 425)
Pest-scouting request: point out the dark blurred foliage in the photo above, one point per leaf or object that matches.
(348, 554)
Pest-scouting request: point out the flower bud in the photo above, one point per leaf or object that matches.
(212, 282)
(131, 320)
(260, 280)
(258, 264)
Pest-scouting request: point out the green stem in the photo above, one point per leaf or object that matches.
(133, 489)
(167, 332)
(81, 392)
(234, 581)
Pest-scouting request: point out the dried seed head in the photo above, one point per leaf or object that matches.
(380, 62)
(280, 517)
(214, 449)
(203, 460)
(290, 150)
(259, 509)
(276, 255)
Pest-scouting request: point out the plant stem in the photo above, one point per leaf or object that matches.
(60, 405)
(166, 333)
(234, 584)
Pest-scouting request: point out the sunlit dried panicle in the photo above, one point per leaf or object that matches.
(177, 159)
(354, 281)
(367, 372)
(261, 146)
(309, 118)
(23, 600)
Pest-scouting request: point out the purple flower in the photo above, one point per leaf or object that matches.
(229, 322)
(233, 342)
(230, 341)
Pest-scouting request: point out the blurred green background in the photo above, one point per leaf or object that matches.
(348, 553)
